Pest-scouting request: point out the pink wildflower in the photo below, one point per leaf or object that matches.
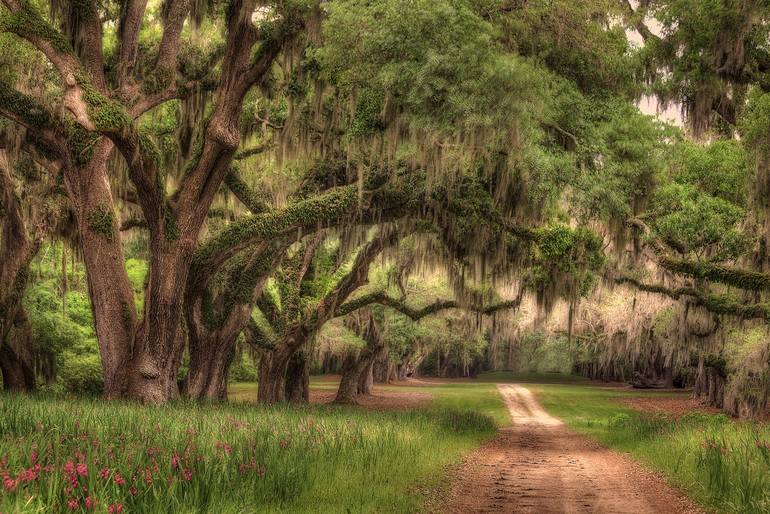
(9, 484)
(119, 479)
(73, 504)
(89, 503)
(187, 474)
(82, 469)
(104, 473)
(115, 508)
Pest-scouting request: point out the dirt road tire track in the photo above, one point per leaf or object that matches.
(538, 466)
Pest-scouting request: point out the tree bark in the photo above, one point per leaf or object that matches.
(272, 375)
(366, 380)
(109, 289)
(351, 372)
(298, 378)
(16, 364)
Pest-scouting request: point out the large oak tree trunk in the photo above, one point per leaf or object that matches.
(16, 253)
(348, 388)
(16, 363)
(272, 375)
(109, 289)
(366, 380)
(298, 378)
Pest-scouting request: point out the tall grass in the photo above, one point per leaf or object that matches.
(722, 463)
(81, 455)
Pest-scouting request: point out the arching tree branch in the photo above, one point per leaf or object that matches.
(717, 304)
(416, 314)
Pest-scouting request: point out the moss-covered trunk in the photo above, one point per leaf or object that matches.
(109, 289)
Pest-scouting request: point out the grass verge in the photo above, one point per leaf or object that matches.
(78, 455)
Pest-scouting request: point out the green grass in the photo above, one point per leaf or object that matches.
(236, 457)
(479, 397)
(722, 464)
(502, 377)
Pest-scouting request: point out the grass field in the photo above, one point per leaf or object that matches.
(721, 463)
(77, 455)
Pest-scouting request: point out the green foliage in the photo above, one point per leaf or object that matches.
(81, 374)
(574, 39)
(619, 421)
(366, 119)
(718, 169)
(28, 21)
(438, 62)
(707, 53)
(698, 223)
(755, 121)
(327, 207)
(620, 152)
(540, 352)
(243, 369)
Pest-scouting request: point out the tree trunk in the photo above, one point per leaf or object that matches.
(109, 289)
(348, 388)
(298, 378)
(366, 379)
(157, 340)
(16, 365)
(272, 376)
(382, 367)
(209, 368)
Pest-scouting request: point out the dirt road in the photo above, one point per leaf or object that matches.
(538, 466)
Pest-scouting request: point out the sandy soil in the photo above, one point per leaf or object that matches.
(538, 466)
(380, 400)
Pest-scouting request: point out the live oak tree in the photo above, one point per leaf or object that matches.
(459, 114)
(101, 99)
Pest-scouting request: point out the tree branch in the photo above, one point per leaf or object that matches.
(747, 280)
(130, 23)
(637, 20)
(247, 196)
(717, 304)
(416, 314)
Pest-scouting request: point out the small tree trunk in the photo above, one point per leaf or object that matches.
(668, 372)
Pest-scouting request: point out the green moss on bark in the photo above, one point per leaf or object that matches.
(28, 22)
(106, 114)
(102, 221)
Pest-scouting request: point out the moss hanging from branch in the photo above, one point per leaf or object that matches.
(717, 304)
(741, 278)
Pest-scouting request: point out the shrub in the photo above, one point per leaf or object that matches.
(81, 374)
(618, 421)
